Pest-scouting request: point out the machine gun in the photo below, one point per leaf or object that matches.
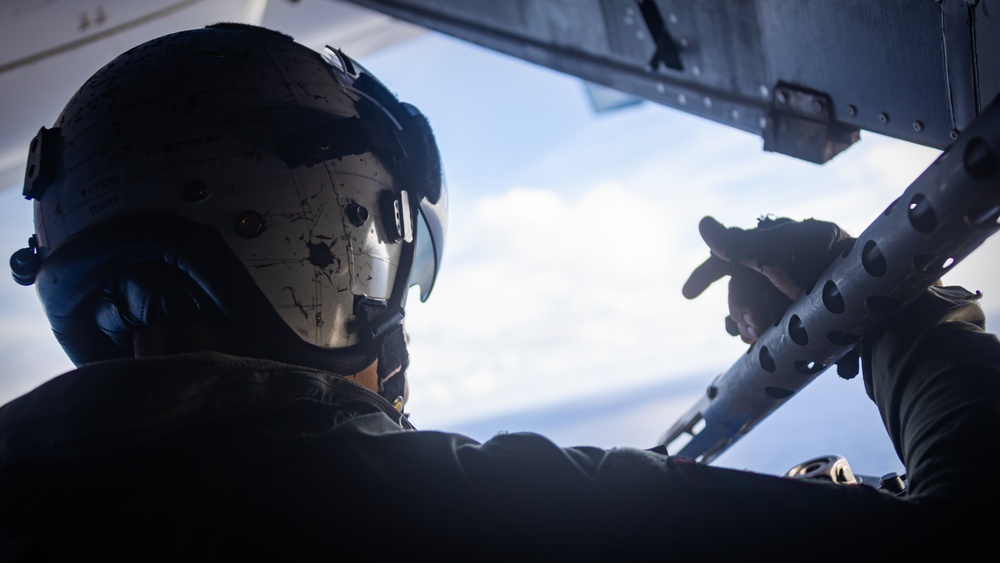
(945, 214)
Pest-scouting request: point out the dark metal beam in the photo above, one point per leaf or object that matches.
(911, 69)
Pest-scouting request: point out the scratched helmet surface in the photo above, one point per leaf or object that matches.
(293, 187)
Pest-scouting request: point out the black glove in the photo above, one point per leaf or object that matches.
(769, 267)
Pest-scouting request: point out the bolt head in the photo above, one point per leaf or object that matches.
(249, 224)
(356, 214)
(195, 190)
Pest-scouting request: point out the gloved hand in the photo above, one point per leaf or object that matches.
(769, 267)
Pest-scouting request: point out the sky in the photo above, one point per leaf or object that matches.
(558, 305)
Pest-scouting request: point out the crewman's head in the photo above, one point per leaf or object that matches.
(231, 175)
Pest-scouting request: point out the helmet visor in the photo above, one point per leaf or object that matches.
(432, 226)
(430, 189)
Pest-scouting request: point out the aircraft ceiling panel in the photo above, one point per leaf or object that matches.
(806, 75)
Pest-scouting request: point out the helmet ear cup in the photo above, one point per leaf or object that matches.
(145, 295)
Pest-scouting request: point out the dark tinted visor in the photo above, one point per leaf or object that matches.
(432, 227)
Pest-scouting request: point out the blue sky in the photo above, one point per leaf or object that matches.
(558, 308)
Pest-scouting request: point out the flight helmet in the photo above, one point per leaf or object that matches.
(230, 169)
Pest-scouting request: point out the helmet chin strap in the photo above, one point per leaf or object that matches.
(382, 323)
(392, 362)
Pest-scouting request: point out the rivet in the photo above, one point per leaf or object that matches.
(707, 101)
(780, 96)
(249, 224)
(852, 110)
(918, 126)
(681, 99)
(735, 114)
(764, 91)
(953, 134)
(818, 105)
(195, 190)
(883, 118)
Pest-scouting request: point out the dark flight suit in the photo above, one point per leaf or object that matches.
(210, 457)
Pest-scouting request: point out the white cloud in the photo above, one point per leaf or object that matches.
(551, 297)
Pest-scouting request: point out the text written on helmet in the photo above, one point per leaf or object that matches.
(103, 205)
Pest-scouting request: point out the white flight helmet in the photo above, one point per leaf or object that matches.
(294, 190)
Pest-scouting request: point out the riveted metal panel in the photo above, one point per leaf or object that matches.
(917, 70)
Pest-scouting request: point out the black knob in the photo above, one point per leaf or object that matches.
(24, 266)
(892, 483)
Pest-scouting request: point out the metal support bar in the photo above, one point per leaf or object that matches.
(944, 215)
(801, 124)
